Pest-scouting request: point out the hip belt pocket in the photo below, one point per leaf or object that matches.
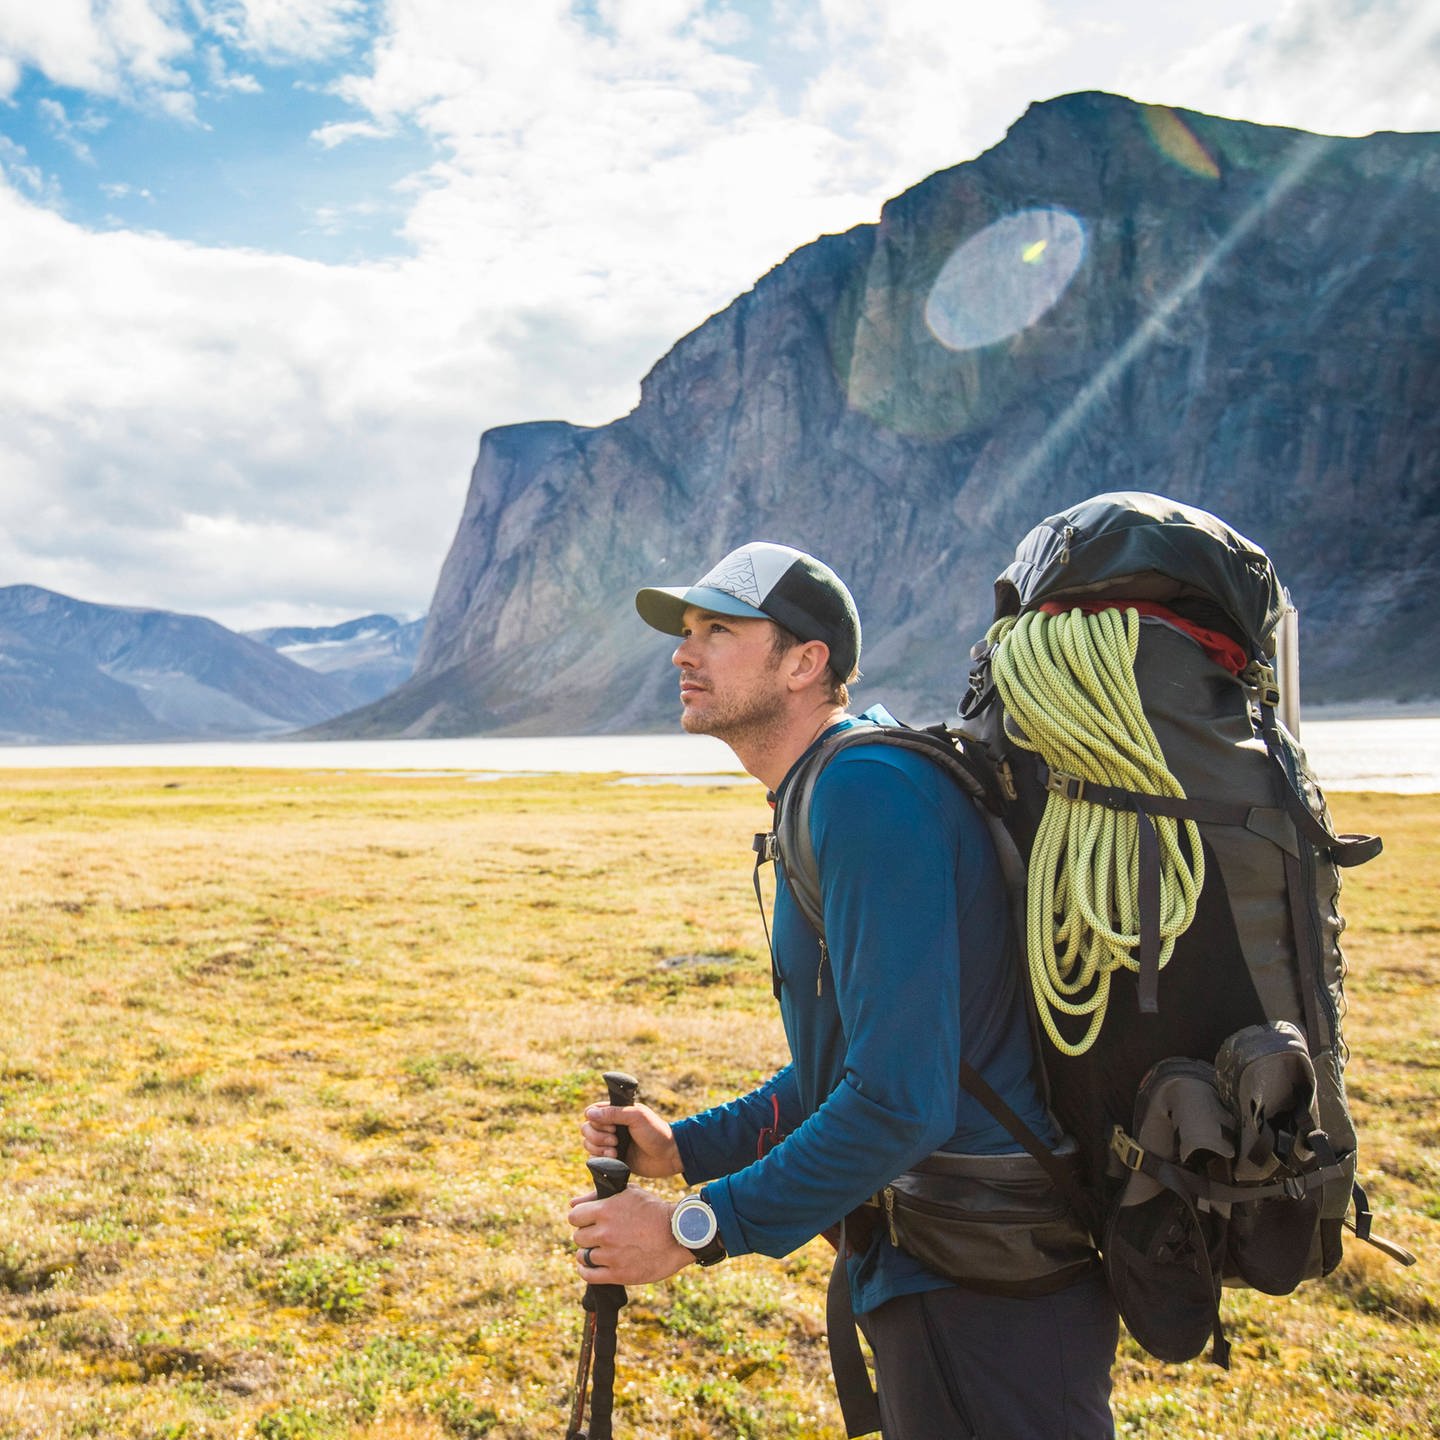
(994, 1223)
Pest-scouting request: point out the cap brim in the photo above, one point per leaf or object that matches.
(664, 609)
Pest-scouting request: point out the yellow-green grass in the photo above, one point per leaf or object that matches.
(291, 1068)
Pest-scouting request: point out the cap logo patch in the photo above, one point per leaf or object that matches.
(735, 575)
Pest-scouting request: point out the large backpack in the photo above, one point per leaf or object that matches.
(1174, 878)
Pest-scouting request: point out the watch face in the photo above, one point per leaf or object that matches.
(694, 1225)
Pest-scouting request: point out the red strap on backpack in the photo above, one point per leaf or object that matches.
(1220, 648)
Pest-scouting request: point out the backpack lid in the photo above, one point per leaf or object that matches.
(1133, 544)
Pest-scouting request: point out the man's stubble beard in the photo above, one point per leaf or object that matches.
(745, 721)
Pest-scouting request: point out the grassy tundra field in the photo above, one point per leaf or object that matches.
(291, 1067)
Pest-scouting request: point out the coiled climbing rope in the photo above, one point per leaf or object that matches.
(1068, 683)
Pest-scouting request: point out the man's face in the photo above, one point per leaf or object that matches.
(731, 684)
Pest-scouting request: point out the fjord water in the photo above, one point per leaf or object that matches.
(675, 754)
(1399, 754)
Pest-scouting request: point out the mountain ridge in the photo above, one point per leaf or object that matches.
(75, 671)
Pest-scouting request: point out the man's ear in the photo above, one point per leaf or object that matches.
(809, 663)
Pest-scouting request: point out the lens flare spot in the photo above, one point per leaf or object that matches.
(1002, 280)
(1178, 142)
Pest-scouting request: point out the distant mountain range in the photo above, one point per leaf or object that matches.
(1116, 297)
(371, 655)
(75, 672)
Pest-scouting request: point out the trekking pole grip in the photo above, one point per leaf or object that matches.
(610, 1176)
(622, 1088)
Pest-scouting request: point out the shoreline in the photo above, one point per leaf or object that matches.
(1371, 710)
(1392, 748)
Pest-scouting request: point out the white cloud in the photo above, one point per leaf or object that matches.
(63, 39)
(912, 81)
(630, 169)
(340, 219)
(1340, 67)
(120, 191)
(137, 49)
(329, 136)
(123, 47)
(221, 77)
(289, 29)
(145, 40)
(52, 112)
(15, 167)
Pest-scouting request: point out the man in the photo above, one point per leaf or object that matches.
(910, 978)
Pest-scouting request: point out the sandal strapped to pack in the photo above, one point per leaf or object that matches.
(1164, 1252)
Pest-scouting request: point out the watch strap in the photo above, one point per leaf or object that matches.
(712, 1253)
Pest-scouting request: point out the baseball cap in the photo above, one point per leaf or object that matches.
(765, 581)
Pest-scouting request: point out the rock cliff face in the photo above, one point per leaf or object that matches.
(1117, 296)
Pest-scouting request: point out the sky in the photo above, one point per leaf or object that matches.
(268, 268)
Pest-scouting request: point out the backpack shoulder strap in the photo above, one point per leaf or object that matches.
(792, 843)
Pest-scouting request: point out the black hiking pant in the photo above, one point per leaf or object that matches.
(957, 1365)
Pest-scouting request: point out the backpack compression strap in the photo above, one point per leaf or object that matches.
(1344, 850)
(1133, 1156)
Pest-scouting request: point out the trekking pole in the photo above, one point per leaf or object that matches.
(602, 1303)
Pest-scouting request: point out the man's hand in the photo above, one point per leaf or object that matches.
(628, 1237)
(653, 1152)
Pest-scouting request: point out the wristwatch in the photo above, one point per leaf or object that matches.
(693, 1224)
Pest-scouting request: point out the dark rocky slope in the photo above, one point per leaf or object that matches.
(1253, 325)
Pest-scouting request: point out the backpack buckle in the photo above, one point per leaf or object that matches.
(1262, 678)
(764, 847)
(1072, 787)
(1006, 776)
(1127, 1151)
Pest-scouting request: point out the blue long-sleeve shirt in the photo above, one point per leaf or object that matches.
(916, 976)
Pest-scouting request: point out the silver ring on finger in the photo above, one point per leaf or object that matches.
(587, 1257)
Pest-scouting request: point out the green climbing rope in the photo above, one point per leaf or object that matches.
(1068, 683)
